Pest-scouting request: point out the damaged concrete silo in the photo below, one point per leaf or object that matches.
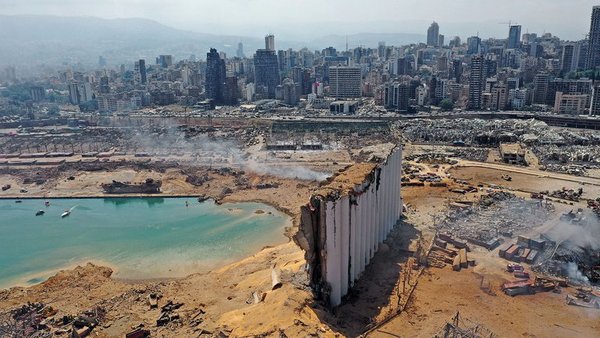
(346, 220)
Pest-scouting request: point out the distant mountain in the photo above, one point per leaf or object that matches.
(53, 40)
(58, 40)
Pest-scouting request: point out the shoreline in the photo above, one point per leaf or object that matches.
(45, 275)
(225, 200)
(36, 197)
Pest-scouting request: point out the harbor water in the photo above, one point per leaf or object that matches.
(142, 238)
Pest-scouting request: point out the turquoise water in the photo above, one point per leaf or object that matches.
(140, 237)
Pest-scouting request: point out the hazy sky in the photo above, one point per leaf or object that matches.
(569, 19)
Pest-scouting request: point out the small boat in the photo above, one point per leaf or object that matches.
(47, 203)
(18, 201)
(66, 213)
(40, 213)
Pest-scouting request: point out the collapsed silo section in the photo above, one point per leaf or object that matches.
(345, 221)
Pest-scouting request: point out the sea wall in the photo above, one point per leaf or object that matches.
(344, 223)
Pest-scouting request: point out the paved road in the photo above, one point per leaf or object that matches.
(532, 172)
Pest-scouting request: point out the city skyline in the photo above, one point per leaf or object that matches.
(296, 21)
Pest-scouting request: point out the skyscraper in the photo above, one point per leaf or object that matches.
(540, 88)
(266, 72)
(80, 92)
(433, 35)
(595, 105)
(476, 82)
(270, 42)
(396, 96)
(165, 61)
(140, 71)
(240, 50)
(215, 76)
(457, 70)
(230, 90)
(473, 45)
(514, 37)
(345, 82)
(104, 87)
(570, 57)
(593, 52)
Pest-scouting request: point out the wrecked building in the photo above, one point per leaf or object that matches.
(512, 153)
(346, 220)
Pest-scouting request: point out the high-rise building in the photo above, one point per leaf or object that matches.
(570, 57)
(231, 90)
(301, 77)
(440, 40)
(595, 105)
(473, 45)
(403, 66)
(345, 82)
(593, 52)
(570, 104)
(396, 96)
(381, 49)
(457, 70)
(476, 82)
(266, 72)
(215, 76)
(165, 61)
(529, 38)
(240, 50)
(80, 92)
(140, 71)
(581, 86)
(142, 64)
(433, 35)
(514, 37)
(37, 93)
(104, 87)
(499, 97)
(583, 50)
(455, 42)
(513, 83)
(291, 94)
(540, 88)
(270, 42)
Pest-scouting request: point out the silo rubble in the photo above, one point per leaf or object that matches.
(346, 220)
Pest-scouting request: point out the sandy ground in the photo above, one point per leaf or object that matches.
(525, 181)
(224, 294)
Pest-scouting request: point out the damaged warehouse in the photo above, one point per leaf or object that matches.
(346, 220)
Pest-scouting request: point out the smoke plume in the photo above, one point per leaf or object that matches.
(208, 151)
(575, 274)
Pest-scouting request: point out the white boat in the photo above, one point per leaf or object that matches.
(66, 213)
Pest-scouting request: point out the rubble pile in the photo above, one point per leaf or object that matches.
(197, 180)
(40, 321)
(408, 169)
(472, 131)
(496, 214)
(570, 159)
(580, 265)
(565, 194)
(595, 206)
(432, 158)
(471, 153)
(558, 149)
